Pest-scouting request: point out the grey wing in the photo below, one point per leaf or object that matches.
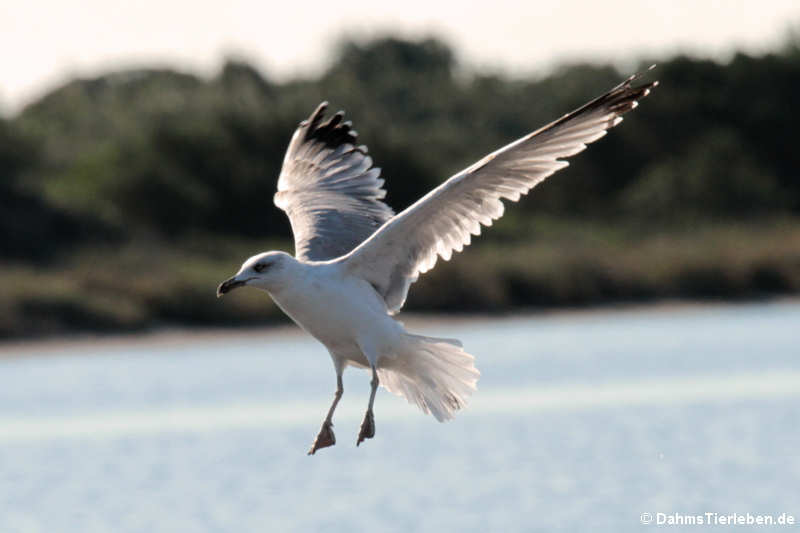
(329, 188)
(444, 220)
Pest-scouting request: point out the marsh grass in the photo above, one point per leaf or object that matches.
(150, 284)
(588, 265)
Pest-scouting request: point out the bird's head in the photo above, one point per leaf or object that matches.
(268, 271)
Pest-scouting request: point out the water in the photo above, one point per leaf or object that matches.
(582, 422)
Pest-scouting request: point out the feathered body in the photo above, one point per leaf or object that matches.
(436, 374)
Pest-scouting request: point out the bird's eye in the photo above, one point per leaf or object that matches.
(259, 267)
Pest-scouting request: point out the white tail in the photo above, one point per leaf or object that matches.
(436, 374)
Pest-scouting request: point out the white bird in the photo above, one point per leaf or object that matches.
(355, 259)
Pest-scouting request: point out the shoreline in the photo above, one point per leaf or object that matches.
(176, 335)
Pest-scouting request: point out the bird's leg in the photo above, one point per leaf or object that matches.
(368, 425)
(326, 437)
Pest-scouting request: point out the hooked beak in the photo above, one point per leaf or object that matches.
(230, 284)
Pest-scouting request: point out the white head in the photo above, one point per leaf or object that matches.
(268, 271)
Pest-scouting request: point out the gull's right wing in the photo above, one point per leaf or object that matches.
(443, 220)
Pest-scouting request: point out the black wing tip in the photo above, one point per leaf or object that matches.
(618, 101)
(645, 88)
(332, 132)
(625, 96)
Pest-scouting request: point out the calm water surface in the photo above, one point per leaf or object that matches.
(582, 422)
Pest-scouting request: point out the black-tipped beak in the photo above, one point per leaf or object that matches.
(228, 285)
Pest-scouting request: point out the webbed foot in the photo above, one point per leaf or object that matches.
(367, 427)
(324, 439)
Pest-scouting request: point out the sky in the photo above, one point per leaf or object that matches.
(47, 42)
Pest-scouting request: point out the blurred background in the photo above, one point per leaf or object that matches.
(140, 146)
(129, 192)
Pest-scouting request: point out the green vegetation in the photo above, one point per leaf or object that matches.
(125, 199)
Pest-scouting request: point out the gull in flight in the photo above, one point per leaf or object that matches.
(355, 259)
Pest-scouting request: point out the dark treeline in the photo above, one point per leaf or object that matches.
(154, 172)
(164, 153)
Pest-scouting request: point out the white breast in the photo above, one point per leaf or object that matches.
(342, 312)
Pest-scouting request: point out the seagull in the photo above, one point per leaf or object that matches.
(355, 259)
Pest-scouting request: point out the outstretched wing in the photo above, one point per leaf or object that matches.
(329, 188)
(444, 219)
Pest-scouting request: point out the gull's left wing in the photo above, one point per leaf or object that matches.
(444, 220)
(329, 188)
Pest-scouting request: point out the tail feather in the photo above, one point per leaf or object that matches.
(436, 374)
